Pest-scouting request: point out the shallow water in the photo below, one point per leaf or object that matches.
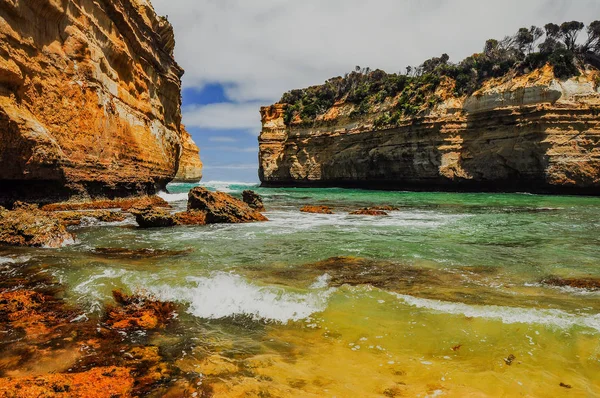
(444, 297)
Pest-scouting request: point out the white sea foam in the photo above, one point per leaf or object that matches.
(509, 315)
(226, 186)
(173, 197)
(223, 295)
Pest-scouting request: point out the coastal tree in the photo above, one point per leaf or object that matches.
(593, 40)
(569, 32)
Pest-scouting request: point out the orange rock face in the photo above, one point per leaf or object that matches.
(190, 166)
(90, 100)
(514, 134)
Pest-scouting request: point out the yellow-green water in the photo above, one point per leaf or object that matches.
(442, 298)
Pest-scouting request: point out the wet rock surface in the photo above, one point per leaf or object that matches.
(126, 204)
(317, 209)
(221, 207)
(154, 218)
(71, 218)
(51, 349)
(253, 200)
(579, 283)
(26, 225)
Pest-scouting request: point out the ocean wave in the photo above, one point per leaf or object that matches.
(229, 186)
(224, 295)
(508, 315)
(173, 197)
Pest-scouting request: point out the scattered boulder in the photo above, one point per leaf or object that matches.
(154, 218)
(220, 207)
(253, 200)
(133, 254)
(27, 225)
(317, 209)
(579, 283)
(371, 211)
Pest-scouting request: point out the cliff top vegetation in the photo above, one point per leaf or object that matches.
(412, 91)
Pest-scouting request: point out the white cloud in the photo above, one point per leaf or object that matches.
(245, 116)
(266, 47)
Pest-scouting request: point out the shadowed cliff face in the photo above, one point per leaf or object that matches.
(532, 133)
(90, 99)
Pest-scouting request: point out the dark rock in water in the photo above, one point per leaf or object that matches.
(510, 359)
(154, 218)
(253, 200)
(221, 207)
(159, 218)
(117, 252)
(26, 225)
(580, 283)
(317, 209)
(369, 212)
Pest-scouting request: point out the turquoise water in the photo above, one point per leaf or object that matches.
(445, 270)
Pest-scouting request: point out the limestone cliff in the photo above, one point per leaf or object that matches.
(90, 100)
(190, 166)
(532, 132)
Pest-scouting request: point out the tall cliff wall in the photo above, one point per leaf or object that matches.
(531, 133)
(90, 100)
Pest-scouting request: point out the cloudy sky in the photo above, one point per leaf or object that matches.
(241, 54)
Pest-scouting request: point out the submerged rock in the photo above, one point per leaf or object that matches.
(317, 209)
(26, 225)
(52, 349)
(371, 211)
(117, 252)
(138, 312)
(579, 283)
(253, 200)
(220, 207)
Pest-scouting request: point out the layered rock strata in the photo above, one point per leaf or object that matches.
(90, 100)
(527, 133)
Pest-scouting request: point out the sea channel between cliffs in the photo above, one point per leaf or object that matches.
(453, 294)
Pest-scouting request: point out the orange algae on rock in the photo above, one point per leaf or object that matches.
(137, 312)
(369, 212)
(317, 209)
(29, 226)
(109, 382)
